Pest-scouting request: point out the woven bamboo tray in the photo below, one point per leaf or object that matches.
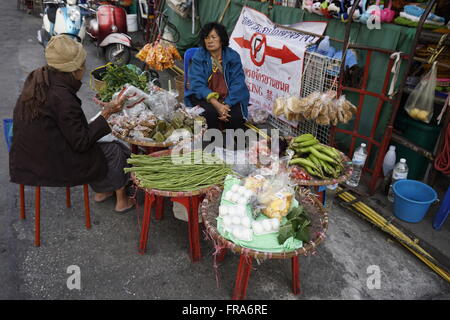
(144, 143)
(345, 175)
(318, 228)
(164, 193)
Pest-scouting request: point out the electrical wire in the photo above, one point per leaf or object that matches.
(442, 161)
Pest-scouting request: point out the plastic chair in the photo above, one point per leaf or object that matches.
(7, 128)
(443, 211)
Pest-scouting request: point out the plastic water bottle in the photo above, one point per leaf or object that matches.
(389, 161)
(330, 194)
(400, 172)
(359, 158)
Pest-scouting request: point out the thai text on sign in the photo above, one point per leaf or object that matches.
(272, 55)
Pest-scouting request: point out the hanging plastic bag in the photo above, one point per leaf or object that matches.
(420, 103)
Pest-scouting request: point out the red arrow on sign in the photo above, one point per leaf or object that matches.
(285, 54)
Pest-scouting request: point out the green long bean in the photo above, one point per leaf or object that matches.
(172, 173)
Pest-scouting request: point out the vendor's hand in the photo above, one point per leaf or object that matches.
(113, 106)
(117, 104)
(224, 112)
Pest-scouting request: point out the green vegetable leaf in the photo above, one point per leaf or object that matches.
(285, 233)
(303, 234)
(295, 212)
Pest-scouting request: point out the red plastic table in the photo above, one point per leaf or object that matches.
(190, 200)
(319, 225)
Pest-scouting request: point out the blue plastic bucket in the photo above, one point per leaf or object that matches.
(8, 131)
(412, 199)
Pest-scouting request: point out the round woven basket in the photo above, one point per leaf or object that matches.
(164, 193)
(144, 143)
(318, 228)
(345, 174)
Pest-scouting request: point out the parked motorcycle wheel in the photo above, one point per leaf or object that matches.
(117, 54)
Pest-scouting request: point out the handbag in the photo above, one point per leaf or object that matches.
(387, 14)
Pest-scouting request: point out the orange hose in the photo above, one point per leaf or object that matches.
(442, 161)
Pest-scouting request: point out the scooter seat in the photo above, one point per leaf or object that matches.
(51, 13)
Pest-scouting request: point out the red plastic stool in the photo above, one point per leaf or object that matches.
(37, 218)
(243, 275)
(190, 202)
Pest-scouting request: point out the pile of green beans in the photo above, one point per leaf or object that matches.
(197, 171)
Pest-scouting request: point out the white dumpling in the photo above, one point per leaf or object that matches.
(223, 211)
(242, 200)
(228, 195)
(236, 220)
(227, 221)
(237, 232)
(257, 228)
(240, 210)
(246, 234)
(267, 225)
(245, 222)
(235, 188)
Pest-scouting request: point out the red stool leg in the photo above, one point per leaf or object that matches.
(159, 207)
(87, 209)
(68, 204)
(134, 148)
(37, 218)
(191, 204)
(320, 195)
(221, 256)
(149, 199)
(295, 275)
(242, 276)
(22, 201)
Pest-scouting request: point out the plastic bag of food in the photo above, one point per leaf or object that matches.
(162, 103)
(257, 115)
(420, 103)
(278, 106)
(276, 196)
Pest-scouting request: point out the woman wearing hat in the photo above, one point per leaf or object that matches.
(53, 144)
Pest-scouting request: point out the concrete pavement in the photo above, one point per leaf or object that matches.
(107, 254)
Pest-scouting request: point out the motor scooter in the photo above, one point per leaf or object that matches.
(61, 17)
(107, 25)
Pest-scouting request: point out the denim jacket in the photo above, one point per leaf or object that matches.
(200, 70)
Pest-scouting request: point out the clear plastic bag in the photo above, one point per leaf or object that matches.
(257, 115)
(420, 103)
(163, 104)
(276, 195)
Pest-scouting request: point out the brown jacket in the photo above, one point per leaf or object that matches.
(59, 148)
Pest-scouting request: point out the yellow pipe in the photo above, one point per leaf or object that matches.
(436, 269)
(381, 222)
(251, 126)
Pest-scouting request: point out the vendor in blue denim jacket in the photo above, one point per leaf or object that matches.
(217, 80)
